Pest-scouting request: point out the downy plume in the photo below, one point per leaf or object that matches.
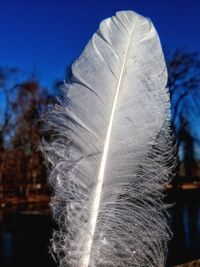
(111, 151)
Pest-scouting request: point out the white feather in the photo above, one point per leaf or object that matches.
(112, 150)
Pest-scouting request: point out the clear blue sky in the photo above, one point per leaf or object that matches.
(46, 36)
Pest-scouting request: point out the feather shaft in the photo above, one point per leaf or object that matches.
(97, 194)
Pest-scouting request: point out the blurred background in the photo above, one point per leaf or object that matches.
(38, 42)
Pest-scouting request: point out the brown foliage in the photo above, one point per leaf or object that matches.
(21, 164)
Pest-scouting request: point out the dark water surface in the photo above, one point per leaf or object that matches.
(185, 224)
(24, 239)
(24, 236)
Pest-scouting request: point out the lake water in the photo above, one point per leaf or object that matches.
(24, 236)
(185, 224)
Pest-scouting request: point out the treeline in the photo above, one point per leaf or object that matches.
(23, 100)
(22, 171)
(184, 88)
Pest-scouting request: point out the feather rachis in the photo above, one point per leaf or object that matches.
(97, 194)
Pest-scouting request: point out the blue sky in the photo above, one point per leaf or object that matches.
(46, 36)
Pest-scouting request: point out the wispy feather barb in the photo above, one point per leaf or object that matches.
(113, 150)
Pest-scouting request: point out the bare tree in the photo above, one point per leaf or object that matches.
(7, 92)
(184, 85)
(20, 161)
